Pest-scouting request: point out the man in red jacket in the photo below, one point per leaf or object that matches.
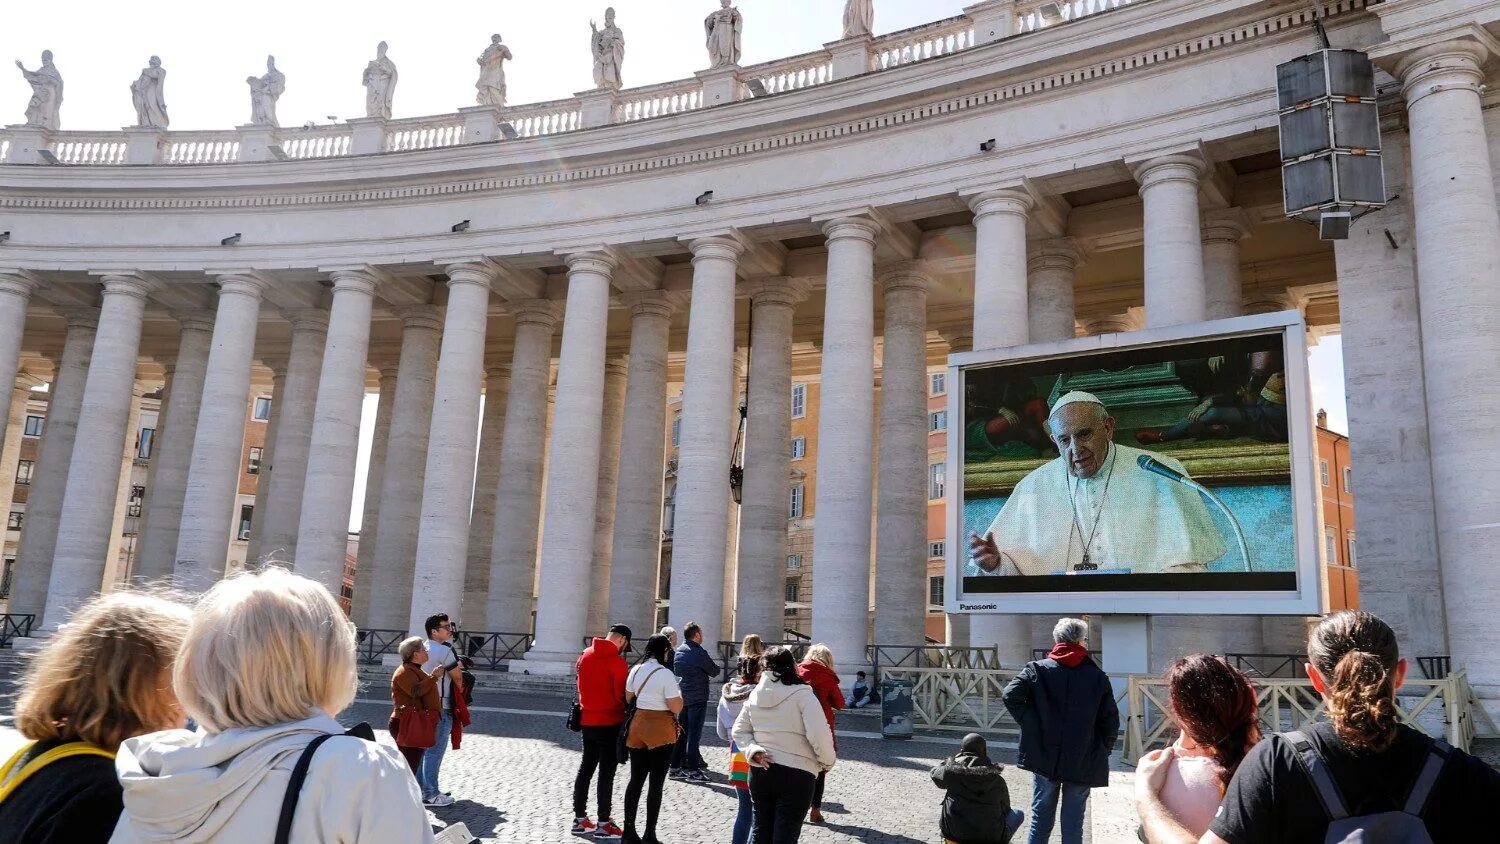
(601, 699)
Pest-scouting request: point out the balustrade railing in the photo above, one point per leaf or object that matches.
(549, 118)
(13, 625)
(201, 148)
(789, 74)
(659, 100)
(89, 148)
(317, 142)
(490, 650)
(938, 38)
(1036, 16)
(424, 133)
(371, 644)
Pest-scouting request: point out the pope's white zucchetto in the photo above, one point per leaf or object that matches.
(1076, 397)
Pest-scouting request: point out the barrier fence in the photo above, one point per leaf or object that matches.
(13, 625)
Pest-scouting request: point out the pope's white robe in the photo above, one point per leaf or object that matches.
(1146, 524)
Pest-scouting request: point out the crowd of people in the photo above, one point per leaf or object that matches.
(215, 721)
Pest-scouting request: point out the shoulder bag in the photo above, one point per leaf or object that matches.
(417, 726)
(622, 749)
(299, 775)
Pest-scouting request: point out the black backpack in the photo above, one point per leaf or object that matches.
(1401, 827)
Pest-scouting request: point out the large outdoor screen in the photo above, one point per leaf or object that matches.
(1136, 472)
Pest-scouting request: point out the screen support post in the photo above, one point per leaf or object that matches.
(1127, 647)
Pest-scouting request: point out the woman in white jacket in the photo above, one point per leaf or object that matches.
(268, 661)
(786, 738)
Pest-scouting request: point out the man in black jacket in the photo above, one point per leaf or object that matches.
(1069, 723)
(976, 808)
(694, 667)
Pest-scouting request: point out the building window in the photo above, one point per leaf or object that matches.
(14, 522)
(937, 476)
(252, 465)
(794, 561)
(937, 549)
(262, 409)
(5, 578)
(34, 426)
(1349, 479)
(937, 421)
(137, 497)
(146, 444)
(789, 612)
(1330, 546)
(799, 401)
(24, 468)
(798, 493)
(935, 590)
(793, 588)
(939, 383)
(1351, 550)
(677, 430)
(1323, 472)
(799, 448)
(247, 514)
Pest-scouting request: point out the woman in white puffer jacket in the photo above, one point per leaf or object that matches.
(786, 738)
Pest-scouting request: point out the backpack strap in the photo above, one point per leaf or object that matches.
(1421, 790)
(9, 783)
(299, 775)
(1317, 770)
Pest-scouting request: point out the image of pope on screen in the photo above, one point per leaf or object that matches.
(1093, 509)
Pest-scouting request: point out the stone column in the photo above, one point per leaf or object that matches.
(732, 516)
(486, 484)
(1052, 267)
(405, 468)
(573, 470)
(293, 422)
(113, 576)
(636, 553)
(611, 423)
(768, 460)
(15, 294)
(1173, 239)
(328, 483)
(1222, 231)
(518, 497)
(1458, 249)
(167, 483)
(219, 441)
(843, 499)
(44, 502)
(88, 500)
(256, 553)
(10, 446)
(369, 531)
(901, 524)
(702, 498)
(453, 437)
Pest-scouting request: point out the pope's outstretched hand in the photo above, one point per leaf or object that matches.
(984, 551)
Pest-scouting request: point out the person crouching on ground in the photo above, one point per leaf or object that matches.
(108, 677)
(788, 743)
(731, 700)
(976, 807)
(817, 671)
(412, 689)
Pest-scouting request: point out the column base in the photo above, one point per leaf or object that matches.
(551, 663)
(35, 642)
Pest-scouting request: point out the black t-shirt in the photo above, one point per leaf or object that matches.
(76, 800)
(1271, 798)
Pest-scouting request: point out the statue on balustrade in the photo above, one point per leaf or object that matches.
(859, 18)
(491, 82)
(608, 45)
(46, 93)
(264, 92)
(146, 94)
(380, 84)
(723, 30)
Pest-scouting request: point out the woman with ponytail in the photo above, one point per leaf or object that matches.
(1373, 760)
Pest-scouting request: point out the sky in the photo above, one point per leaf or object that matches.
(208, 50)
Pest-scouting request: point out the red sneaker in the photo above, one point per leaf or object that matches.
(607, 831)
(583, 826)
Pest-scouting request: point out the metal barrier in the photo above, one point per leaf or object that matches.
(1435, 667)
(1039, 654)
(966, 699)
(729, 653)
(372, 644)
(13, 625)
(1258, 666)
(932, 656)
(489, 649)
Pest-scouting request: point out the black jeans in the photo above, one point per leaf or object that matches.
(817, 799)
(598, 752)
(781, 795)
(644, 763)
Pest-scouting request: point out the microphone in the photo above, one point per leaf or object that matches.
(1151, 464)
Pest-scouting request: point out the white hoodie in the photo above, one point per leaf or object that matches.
(228, 787)
(788, 723)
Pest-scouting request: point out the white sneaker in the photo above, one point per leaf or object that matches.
(439, 801)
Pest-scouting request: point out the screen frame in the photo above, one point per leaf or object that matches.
(1305, 600)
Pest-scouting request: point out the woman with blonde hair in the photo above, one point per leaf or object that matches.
(414, 691)
(817, 671)
(108, 676)
(267, 663)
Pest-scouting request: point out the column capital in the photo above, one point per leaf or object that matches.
(355, 280)
(496, 366)
(428, 317)
(18, 282)
(1225, 225)
(1058, 253)
(542, 312)
(850, 227)
(904, 275)
(134, 284)
(1015, 201)
(81, 317)
(276, 362)
(247, 283)
(481, 273)
(591, 261)
(387, 370)
(307, 319)
(653, 303)
(724, 247)
(958, 336)
(193, 320)
(617, 366)
(1173, 167)
(775, 291)
(1442, 66)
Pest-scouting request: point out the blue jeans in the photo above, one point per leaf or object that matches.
(744, 818)
(686, 754)
(432, 758)
(1044, 810)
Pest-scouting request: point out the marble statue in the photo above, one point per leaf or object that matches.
(491, 82)
(723, 30)
(264, 92)
(146, 95)
(608, 46)
(859, 18)
(46, 93)
(380, 84)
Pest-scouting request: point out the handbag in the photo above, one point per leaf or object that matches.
(622, 750)
(418, 727)
(575, 717)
